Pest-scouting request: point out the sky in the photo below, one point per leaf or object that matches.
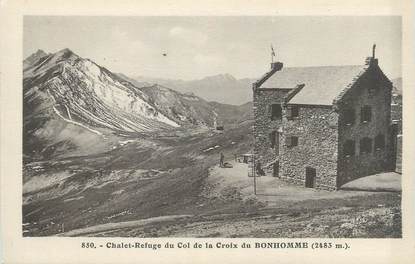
(197, 47)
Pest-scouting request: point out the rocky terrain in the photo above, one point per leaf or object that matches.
(107, 156)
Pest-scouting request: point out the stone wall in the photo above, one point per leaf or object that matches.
(316, 129)
(263, 125)
(359, 165)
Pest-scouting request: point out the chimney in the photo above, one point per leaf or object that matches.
(275, 66)
(372, 60)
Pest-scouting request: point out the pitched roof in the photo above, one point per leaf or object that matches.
(322, 84)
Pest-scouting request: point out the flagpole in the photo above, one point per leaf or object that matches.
(272, 54)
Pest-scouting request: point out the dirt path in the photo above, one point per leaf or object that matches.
(129, 224)
(274, 191)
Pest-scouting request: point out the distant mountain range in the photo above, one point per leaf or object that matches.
(222, 88)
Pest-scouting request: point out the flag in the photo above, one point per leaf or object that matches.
(272, 51)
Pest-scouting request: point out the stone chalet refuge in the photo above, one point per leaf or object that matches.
(322, 127)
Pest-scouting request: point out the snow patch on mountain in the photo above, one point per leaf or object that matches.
(76, 123)
(91, 95)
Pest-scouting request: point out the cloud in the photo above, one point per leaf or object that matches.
(188, 35)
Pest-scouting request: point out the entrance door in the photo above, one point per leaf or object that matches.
(276, 169)
(310, 177)
(277, 143)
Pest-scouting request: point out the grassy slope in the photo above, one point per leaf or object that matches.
(149, 177)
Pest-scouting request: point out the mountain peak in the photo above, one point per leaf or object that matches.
(65, 53)
(51, 60)
(40, 52)
(64, 50)
(228, 75)
(225, 76)
(34, 57)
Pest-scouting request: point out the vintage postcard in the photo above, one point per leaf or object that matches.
(187, 137)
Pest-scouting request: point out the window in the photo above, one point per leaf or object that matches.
(349, 116)
(372, 91)
(366, 114)
(348, 148)
(379, 142)
(275, 111)
(365, 145)
(292, 111)
(291, 141)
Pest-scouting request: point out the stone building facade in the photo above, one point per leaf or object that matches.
(324, 126)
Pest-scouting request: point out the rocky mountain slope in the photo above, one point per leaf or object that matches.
(181, 108)
(71, 103)
(231, 114)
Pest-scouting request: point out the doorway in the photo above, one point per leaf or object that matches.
(274, 137)
(276, 169)
(277, 144)
(310, 177)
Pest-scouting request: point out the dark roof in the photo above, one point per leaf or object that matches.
(322, 84)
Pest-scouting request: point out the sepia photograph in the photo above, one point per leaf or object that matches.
(212, 127)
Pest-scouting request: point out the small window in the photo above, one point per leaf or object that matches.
(291, 141)
(366, 114)
(348, 148)
(371, 91)
(275, 111)
(292, 112)
(379, 142)
(365, 145)
(349, 116)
